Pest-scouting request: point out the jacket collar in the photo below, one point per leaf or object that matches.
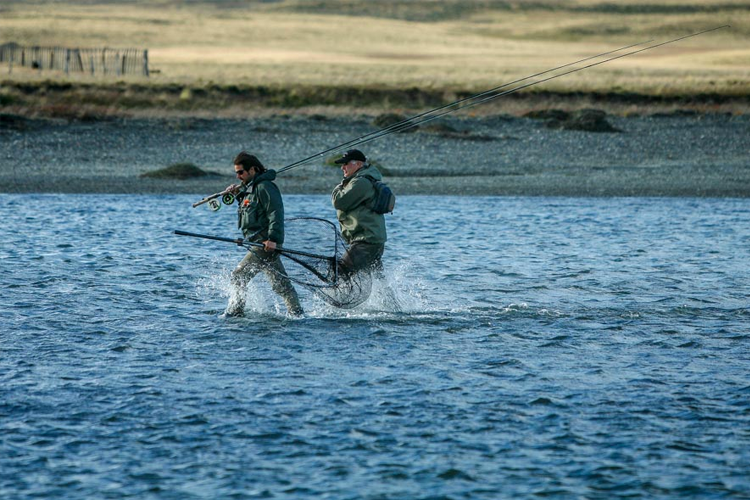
(268, 175)
(365, 170)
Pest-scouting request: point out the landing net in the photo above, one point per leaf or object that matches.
(316, 268)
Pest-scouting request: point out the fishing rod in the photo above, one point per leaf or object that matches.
(227, 201)
(410, 123)
(406, 121)
(251, 244)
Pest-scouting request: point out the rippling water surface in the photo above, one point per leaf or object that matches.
(562, 348)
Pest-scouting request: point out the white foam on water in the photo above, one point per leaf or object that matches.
(402, 291)
(214, 289)
(214, 282)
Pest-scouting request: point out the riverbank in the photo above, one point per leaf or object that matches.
(123, 99)
(678, 153)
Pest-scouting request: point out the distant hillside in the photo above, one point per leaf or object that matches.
(288, 47)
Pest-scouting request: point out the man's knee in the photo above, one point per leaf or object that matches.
(281, 286)
(244, 272)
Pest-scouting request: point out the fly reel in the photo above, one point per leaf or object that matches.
(226, 199)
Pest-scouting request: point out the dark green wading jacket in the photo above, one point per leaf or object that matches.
(352, 200)
(260, 208)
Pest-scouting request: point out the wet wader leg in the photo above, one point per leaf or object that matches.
(246, 270)
(282, 285)
(365, 256)
(360, 256)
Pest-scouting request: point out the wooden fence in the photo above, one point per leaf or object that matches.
(105, 61)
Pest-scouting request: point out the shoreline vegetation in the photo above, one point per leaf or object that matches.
(89, 101)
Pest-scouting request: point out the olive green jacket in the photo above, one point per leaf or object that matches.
(352, 200)
(260, 209)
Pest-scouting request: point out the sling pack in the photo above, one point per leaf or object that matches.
(384, 200)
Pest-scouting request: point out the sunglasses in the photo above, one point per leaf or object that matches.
(239, 172)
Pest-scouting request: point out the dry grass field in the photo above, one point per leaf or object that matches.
(397, 44)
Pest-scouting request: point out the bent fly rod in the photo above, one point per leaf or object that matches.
(477, 99)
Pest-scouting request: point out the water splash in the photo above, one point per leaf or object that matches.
(214, 289)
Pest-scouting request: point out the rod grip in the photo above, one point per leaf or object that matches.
(206, 199)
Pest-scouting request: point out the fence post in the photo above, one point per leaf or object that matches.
(117, 61)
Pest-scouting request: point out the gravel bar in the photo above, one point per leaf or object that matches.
(692, 155)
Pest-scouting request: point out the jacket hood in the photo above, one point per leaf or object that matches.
(268, 175)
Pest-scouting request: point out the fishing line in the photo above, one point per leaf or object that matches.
(410, 122)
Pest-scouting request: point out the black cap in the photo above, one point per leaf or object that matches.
(352, 154)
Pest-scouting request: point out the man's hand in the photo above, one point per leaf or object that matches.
(233, 188)
(269, 246)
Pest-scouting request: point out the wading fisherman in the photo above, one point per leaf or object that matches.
(261, 218)
(363, 230)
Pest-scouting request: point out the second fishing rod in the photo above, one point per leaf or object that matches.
(489, 95)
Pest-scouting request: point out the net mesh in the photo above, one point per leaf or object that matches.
(314, 264)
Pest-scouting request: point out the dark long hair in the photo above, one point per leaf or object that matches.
(247, 160)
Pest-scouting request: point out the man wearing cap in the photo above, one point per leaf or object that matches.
(362, 228)
(260, 214)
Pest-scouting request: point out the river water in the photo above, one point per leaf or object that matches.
(540, 347)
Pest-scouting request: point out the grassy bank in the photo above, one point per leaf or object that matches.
(229, 56)
(53, 99)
